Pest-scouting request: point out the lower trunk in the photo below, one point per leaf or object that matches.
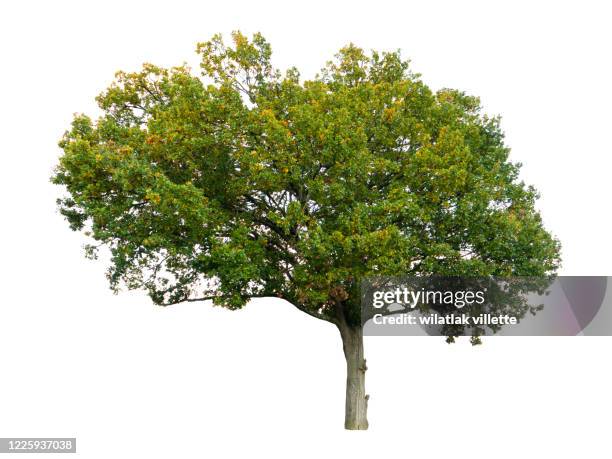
(356, 410)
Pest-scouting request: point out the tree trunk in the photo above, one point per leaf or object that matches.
(356, 408)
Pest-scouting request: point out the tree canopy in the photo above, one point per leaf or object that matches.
(245, 181)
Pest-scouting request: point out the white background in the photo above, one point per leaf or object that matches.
(131, 380)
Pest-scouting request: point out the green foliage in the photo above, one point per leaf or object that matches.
(247, 182)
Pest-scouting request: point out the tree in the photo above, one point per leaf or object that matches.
(247, 182)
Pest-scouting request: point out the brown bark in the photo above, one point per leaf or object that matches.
(356, 408)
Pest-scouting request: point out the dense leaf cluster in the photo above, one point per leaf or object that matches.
(244, 181)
